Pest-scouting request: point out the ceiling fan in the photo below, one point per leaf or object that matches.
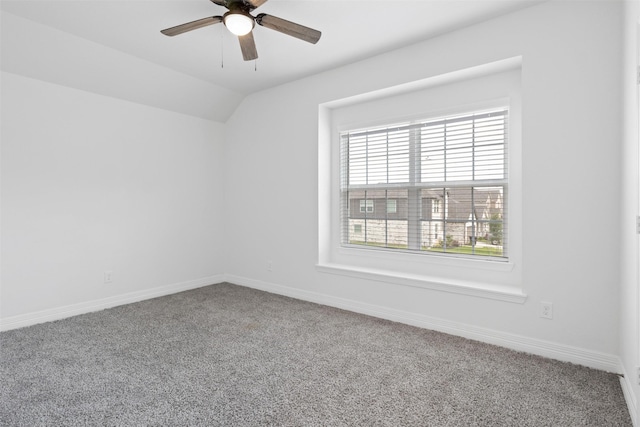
(241, 23)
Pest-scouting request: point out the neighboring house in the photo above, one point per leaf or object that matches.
(447, 217)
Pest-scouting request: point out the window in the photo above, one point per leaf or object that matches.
(444, 182)
(392, 206)
(394, 248)
(366, 206)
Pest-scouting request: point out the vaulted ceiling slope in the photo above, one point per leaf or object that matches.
(115, 48)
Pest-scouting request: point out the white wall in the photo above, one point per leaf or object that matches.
(630, 191)
(571, 200)
(92, 183)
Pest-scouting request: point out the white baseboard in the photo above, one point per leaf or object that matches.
(592, 359)
(629, 396)
(58, 313)
(552, 350)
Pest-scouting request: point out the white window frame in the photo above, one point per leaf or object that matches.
(482, 87)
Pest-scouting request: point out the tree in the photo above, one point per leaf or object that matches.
(495, 228)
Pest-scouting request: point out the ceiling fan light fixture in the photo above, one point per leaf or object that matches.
(238, 22)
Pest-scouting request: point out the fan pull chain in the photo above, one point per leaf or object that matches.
(221, 51)
(255, 64)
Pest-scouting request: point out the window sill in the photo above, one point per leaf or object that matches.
(421, 257)
(476, 289)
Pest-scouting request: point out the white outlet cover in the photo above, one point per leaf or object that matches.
(546, 310)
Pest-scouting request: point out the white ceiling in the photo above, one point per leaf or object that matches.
(351, 30)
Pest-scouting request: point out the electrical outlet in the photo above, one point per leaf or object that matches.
(108, 276)
(269, 265)
(546, 310)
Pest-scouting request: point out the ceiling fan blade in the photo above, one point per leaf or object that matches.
(194, 25)
(248, 47)
(255, 3)
(220, 2)
(290, 28)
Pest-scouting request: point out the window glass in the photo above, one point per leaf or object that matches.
(432, 186)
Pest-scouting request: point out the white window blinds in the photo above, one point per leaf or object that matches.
(446, 178)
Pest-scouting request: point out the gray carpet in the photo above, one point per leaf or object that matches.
(225, 355)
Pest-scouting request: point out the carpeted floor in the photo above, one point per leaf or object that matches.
(226, 355)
